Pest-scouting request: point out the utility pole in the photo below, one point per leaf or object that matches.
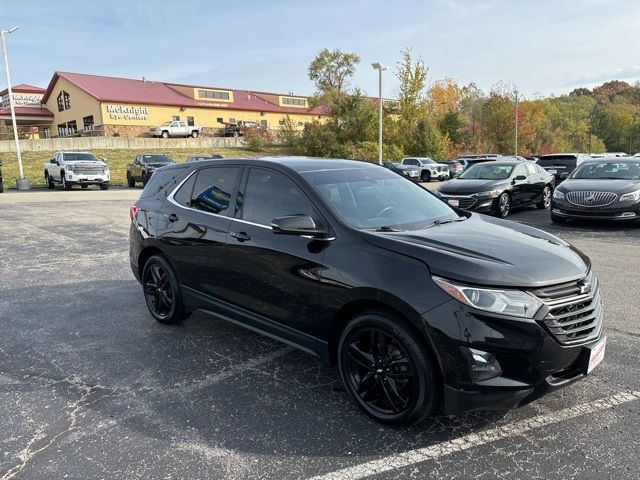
(516, 139)
(380, 68)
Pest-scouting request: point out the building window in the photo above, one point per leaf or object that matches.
(190, 121)
(281, 122)
(176, 118)
(301, 102)
(300, 124)
(88, 122)
(214, 95)
(263, 124)
(64, 101)
(232, 120)
(46, 132)
(219, 120)
(72, 128)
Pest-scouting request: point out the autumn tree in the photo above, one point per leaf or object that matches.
(332, 70)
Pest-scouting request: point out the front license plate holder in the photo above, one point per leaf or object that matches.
(454, 202)
(595, 355)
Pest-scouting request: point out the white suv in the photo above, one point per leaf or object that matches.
(429, 169)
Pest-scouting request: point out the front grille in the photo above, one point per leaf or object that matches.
(442, 169)
(88, 169)
(591, 199)
(575, 315)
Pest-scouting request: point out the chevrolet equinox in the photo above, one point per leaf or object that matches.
(423, 307)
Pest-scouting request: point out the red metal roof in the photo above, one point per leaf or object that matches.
(23, 88)
(147, 92)
(27, 112)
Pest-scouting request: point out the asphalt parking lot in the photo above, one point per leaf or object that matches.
(92, 387)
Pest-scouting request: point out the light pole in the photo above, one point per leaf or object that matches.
(516, 139)
(380, 68)
(633, 120)
(22, 183)
(593, 114)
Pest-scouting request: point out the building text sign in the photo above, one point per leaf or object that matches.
(23, 99)
(127, 112)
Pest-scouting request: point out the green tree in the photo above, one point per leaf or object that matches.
(425, 140)
(332, 70)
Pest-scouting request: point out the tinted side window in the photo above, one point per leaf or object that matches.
(270, 194)
(213, 189)
(160, 179)
(183, 195)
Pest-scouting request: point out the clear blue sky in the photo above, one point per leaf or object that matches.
(545, 46)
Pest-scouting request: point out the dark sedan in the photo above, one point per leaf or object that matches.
(498, 186)
(603, 188)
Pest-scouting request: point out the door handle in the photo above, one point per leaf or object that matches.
(172, 218)
(240, 236)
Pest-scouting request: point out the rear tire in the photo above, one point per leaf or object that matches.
(194, 134)
(425, 176)
(545, 202)
(162, 292)
(388, 369)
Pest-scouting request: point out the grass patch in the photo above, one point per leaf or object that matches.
(33, 162)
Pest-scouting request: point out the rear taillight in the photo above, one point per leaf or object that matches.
(133, 209)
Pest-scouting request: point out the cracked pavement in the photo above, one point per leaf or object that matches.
(91, 387)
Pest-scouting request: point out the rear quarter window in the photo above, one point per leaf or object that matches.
(163, 178)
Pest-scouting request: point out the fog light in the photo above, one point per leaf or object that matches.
(556, 210)
(483, 365)
(627, 214)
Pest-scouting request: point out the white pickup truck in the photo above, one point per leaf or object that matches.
(76, 168)
(175, 128)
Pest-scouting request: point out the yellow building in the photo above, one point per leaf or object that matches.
(99, 105)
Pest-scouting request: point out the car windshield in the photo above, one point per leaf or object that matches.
(165, 124)
(607, 170)
(371, 198)
(426, 160)
(487, 171)
(156, 159)
(77, 157)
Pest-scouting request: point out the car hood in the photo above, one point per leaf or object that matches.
(464, 187)
(157, 165)
(488, 251)
(604, 185)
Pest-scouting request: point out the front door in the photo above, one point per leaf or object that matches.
(520, 190)
(273, 275)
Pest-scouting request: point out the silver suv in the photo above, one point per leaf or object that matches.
(429, 169)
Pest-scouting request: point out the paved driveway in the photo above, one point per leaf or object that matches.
(92, 387)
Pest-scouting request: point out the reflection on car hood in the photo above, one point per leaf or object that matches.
(604, 185)
(488, 251)
(462, 187)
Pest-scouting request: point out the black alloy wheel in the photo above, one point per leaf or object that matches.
(161, 291)
(387, 370)
(545, 201)
(503, 205)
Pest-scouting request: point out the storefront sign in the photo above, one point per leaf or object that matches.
(119, 112)
(21, 99)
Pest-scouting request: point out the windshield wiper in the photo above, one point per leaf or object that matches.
(387, 228)
(448, 220)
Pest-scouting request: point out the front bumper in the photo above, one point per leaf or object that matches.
(471, 203)
(87, 179)
(618, 211)
(533, 361)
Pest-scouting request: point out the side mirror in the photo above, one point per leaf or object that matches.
(104, 159)
(520, 178)
(52, 160)
(297, 225)
(564, 175)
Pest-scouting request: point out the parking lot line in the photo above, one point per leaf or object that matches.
(411, 457)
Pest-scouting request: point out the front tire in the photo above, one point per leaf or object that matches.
(165, 135)
(145, 178)
(503, 206)
(130, 181)
(387, 369)
(425, 176)
(104, 186)
(545, 201)
(49, 181)
(194, 134)
(65, 185)
(162, 292)
(83, 186)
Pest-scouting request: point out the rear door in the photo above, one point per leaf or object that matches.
(275, 276)
(194, 221)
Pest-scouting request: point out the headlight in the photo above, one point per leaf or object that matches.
(558, 195)
(489, 194)
(507, 302)
(633, 196)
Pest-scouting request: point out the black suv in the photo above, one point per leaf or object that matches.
(418, 303)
